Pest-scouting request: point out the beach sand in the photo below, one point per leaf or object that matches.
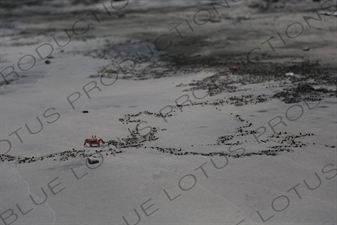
(206, 120)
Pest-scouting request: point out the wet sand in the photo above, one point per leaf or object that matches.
(206, 120)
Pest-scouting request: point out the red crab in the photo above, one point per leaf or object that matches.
(93, 141)
(234, 68)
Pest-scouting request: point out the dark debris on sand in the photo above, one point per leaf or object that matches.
(134, 139)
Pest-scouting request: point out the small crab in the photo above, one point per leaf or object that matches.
(234, 68)
(93, 141)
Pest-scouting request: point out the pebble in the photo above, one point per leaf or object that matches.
(306, 48)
